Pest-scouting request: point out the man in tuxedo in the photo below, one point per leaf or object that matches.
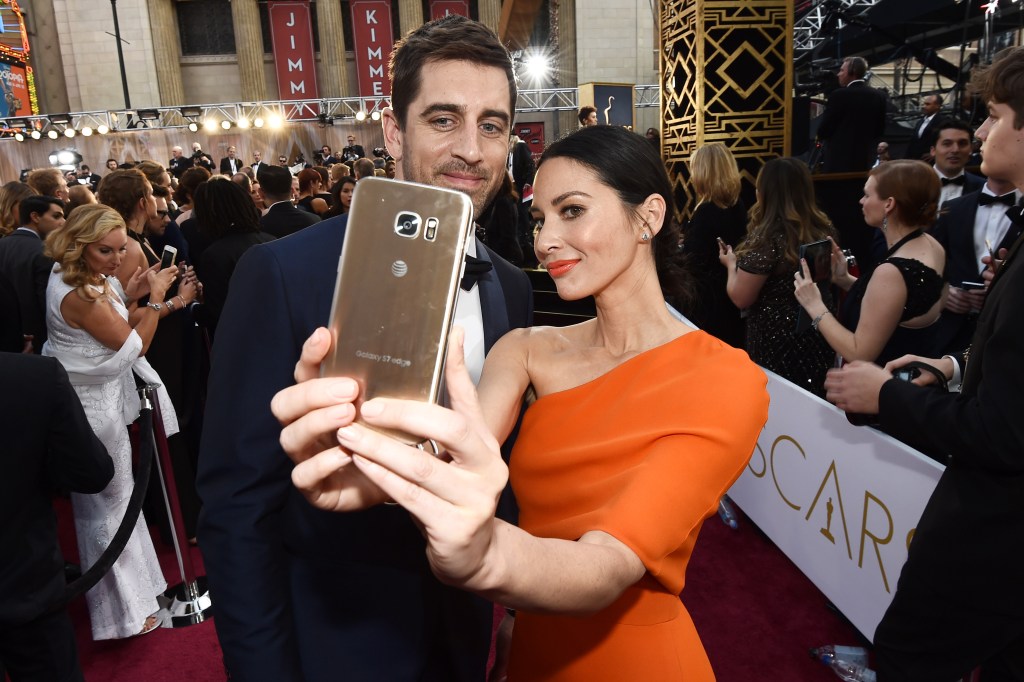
(201, 158)
(179, 163)
(304, 594)
(353, 151)
(959, 602)
(951, 150)
(925, 130)
(257, 165)
(967, 228)
(281, 218)
(230, 165)
(48, 446)
(853, 121)
(23, 263)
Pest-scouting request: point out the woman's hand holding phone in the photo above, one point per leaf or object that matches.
(311, 413)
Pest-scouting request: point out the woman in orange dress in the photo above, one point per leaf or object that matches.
(640, 423)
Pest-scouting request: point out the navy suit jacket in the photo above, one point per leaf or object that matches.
(304, 594)
(851, 126)
(26, 267)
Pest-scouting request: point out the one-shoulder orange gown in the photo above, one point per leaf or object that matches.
(642, 453)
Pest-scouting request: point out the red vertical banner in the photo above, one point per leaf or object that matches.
(442, 8)
(291, 32)
(373, 41)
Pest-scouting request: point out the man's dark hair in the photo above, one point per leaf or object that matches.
(222, 207)
(161, 192)
(585, 113)
(856, 67)
(109, 160)
(952, 124)
(276, 183)
(36, 203)
(452, 38)
(84, 168)
(1002, 82)
(362, 168)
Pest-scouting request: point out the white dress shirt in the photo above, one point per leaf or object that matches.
(990, 223)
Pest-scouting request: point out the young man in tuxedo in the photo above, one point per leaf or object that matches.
(959, 602)
(309, 595)
(951, 150)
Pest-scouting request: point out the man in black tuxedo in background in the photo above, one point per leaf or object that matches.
(951, 150)
(853, 122)
(179, 163)
(959, 602)
(26, 267)
(281, 218)
(925, 129)
(48, 446)
(230, 165)
(304, 594)
(352, 152)
(967, 227)
(257, 165)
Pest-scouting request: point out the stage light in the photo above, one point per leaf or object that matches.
(243, 123)
(275, 121)
(210, 125)
(52, 134)
(537, 65)
(19, 136)
(61, 119)
(148, 114)
(102, 129)
(375, 116)
(226, 125)
(86, 131)
(69, 132)
(360, 116)
(258, 122)
(191, 112)
(35, 135)
(193, 126)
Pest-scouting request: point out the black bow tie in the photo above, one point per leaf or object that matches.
(958, 180)
(987, 199)
(475, 269)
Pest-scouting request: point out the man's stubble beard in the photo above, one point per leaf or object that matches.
(480, 202)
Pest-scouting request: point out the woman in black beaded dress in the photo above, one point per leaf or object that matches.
(886, 313)
(760, 274)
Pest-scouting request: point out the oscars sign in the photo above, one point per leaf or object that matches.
(841, 501)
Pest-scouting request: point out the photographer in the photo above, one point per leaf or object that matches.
(201, 158)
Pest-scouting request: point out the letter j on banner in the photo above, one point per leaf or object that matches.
(372, 40)
(291, 33)
(442, 8)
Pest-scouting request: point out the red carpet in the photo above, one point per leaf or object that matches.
(756, 613)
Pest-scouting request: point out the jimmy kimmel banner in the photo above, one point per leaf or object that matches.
(372, 42)
(841, 501)
(291, 33)
(442, 8)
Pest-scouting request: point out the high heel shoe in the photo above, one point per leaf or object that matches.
(151, 624)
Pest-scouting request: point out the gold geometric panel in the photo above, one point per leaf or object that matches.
(726, 70)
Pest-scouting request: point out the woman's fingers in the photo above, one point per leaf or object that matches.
(315, 431)
(314, 350)
(294, 402)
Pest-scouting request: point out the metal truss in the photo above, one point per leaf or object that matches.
(808, 28)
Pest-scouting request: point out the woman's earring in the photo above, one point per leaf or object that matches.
(645, 236)
(885, 222)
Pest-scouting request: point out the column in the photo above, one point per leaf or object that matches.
(333, 64)
(245, 16)
(410, 15)
(490, 13)
(726, 76)
(563, 18)
(166, 53)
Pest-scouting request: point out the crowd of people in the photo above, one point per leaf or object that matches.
(574, 515)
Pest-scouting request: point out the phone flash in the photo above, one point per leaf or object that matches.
(431, 232)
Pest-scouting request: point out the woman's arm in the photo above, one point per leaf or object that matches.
(742, 287)
(880, 311)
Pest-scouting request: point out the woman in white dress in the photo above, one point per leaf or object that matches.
(99, 342)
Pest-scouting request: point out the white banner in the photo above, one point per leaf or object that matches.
(840, 501)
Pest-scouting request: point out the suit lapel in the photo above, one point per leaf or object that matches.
(492, 300)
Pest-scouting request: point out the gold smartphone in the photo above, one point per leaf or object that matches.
(398, 280)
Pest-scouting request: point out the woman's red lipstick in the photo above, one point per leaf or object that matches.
(558, 268)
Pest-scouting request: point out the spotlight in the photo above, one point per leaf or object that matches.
(243, 123)
(148, 114)
(360, 116)
(209, 125)
(69, 132)
(86, 131)
(52, 134)
(35, 135)
(193, 126)
(537, 66)
(19, 136)
(375, 116)
(275, 121)
(61, 119)
(18, 123)
(102, 129)
(258, 122)
(226, 125)
(191, 112)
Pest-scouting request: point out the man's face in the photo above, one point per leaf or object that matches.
(157, 225)
(295, 189)
(176, 153)
(951, 150)
(257, 156)
(930, 105)
(50, 221)
(844, 74)
(883, 149)
(351, 140)
(325, 151)
(1002, 148)
(62, 190)
(111, 165)
(231, 152)
(456, 131)
(283, 160)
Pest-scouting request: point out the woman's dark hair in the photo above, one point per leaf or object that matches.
(629, 165)
(222, 207)
(915, 188)
(190, 179)
(307, 176)
(785, 204)
(336, 207)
